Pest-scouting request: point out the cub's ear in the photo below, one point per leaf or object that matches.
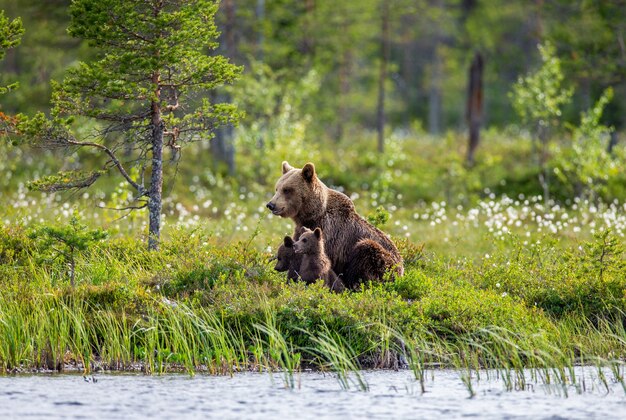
(318, 233)
(308, 172)
(286, 167)
(288, 241)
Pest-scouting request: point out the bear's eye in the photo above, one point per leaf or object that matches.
(287, 190)
(304, 240)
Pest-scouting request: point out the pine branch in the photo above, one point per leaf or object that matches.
(142, 191)
(143, 206)
(65, 181)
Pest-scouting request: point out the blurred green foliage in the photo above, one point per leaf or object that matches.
(539, 98)
(340, 42)
(586, 165)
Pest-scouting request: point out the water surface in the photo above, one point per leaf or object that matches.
(316, 396)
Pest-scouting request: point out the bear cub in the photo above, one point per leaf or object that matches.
(315, 263)
(287, 260)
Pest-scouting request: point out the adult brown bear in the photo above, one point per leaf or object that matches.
(357, 250)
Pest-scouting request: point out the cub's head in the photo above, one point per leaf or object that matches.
(293, 189)
(284, 255)
(310, 241)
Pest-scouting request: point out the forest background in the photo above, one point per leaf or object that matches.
(515, 232)
(325, 62)
(323, 74)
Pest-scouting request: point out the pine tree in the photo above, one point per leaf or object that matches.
(140, 93)
(10, 34)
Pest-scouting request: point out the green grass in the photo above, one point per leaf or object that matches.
(492, 282)
(148, 314)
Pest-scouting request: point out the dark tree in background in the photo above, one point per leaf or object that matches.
(430, 45)
(45, 52)
(222, 146)
(138, 96)
(382, 75)
(474, 111)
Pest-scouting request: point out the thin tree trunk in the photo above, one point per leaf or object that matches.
(155, 202)
(544, 174)
(612, 142)
(72, 268)
(308, 41)
(539, 21)
(408, 66)
(380, 120)
(344, 90)
(231, 51)
(436, 69)
(434, 94)
(222, 146)
(346, 61)
(229, 28)
(474, 112)
(260, 15)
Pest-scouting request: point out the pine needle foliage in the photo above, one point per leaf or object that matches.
(146, 91)
(10, 36)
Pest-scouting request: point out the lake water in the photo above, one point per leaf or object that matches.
(316, 396)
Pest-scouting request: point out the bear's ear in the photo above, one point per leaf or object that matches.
(286, 167)
(288, 242)
(308, 172)
(318, 233)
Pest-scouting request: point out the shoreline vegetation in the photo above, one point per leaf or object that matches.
(493, 279)
(198, 305)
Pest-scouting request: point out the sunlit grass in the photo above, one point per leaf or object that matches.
(495, 284)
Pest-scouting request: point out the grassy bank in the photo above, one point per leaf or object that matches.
(199, 305)
(495, 277)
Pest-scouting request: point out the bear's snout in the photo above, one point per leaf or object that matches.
(271, 206)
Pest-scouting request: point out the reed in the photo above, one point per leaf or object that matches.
(280, 354)
(16, 342)
(199, 307)
(113, 337)
(222, 349)
(337, 355)
(414, 351)
(51, 331)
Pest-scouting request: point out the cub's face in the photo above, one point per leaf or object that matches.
(309, 241)
(284, 255)
(291, 190)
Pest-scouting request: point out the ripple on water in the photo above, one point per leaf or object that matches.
(391, 395)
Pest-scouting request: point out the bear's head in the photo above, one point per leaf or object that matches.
(285, 255)
(296, 189)
(310, 242)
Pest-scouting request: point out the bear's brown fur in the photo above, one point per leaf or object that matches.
(287, 260)
(315, 263)
(371, 259)
(303, 197)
